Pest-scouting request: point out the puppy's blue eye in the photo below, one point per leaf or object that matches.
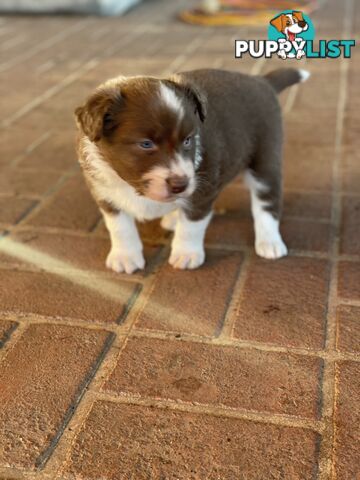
(146, 144)
(187, 142)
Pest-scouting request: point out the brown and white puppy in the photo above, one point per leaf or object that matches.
(153, 148)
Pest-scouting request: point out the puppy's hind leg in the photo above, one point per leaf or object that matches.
(265, 194)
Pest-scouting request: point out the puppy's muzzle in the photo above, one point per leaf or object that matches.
(177, 184)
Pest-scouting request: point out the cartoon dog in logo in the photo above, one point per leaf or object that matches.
(290, 24)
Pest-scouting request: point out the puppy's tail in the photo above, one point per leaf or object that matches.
(285, 77)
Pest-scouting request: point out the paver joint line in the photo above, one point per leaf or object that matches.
(44, 457)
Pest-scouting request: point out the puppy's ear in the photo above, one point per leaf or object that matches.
(299, 16)
(197, 97)
(100, 114)
(279, 22)
(192, 92)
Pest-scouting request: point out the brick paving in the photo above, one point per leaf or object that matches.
(242, 370)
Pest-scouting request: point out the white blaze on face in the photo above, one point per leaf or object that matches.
(180, 166)
(171, 100)
(157, 186)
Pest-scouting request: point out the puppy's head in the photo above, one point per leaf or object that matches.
(146, 129)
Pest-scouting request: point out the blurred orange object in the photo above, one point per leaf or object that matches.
(242, 12)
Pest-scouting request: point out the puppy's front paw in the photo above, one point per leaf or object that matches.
(271, 249)
(187, 260)
(127, 262)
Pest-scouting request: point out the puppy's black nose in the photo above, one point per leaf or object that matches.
(177, 184)
(302, 23)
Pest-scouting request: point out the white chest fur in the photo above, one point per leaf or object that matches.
(109, 187)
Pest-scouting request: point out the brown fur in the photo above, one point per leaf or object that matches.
(99, 114)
